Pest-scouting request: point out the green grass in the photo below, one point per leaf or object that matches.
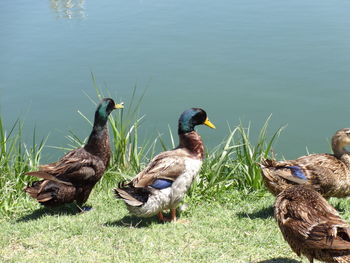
(240, 229)
(233, 165)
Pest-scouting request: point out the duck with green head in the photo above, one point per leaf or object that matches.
(169, 175)
(75, 174)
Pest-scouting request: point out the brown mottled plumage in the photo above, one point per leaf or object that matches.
(329, 174)
(75, 174)
(311, 226)
(166, 179)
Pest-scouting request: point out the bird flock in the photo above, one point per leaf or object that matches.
(310, 225)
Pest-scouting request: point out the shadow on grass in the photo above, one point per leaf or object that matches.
(264, 213)
(132, 222)
(280, 260)
(69, 209)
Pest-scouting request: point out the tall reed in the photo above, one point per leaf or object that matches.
(16, 158)
(233, 165)
(249, 154)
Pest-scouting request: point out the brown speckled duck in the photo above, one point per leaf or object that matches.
(329, 174)
(167, 178)
(311, 226)
(75, 174)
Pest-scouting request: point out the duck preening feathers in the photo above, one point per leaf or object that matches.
(166, 179)
(327, 173)
(311, 226)
(75, 174)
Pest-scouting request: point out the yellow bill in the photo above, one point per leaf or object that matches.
(119, 105)
(209, 124)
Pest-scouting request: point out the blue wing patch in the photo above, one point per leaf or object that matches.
(296, 170)
(161, 183)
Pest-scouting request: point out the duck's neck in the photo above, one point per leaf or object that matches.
(339, 150)
(98, 143)
(192, 141)
(341, 153)
(346, 159)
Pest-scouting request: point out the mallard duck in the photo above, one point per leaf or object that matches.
(75, 174)
(327, 173)
(311, 226)
(166, 179)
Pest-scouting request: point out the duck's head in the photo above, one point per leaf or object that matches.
(340, 140)
(192, 117)
(104, 108)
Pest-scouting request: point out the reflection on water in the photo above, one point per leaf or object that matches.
(68, 8)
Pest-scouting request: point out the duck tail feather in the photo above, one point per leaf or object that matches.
(134, 196)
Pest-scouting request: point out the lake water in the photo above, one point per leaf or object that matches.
(237, 59)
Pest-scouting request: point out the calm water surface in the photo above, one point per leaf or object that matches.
(238, 59)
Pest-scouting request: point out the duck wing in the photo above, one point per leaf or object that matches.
(165, 166)
(329, 231)
(316, 227)
(77, 166)
(329, 235)
(316, 169)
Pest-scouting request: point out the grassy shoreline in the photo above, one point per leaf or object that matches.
(229, 215)
(229, 166)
